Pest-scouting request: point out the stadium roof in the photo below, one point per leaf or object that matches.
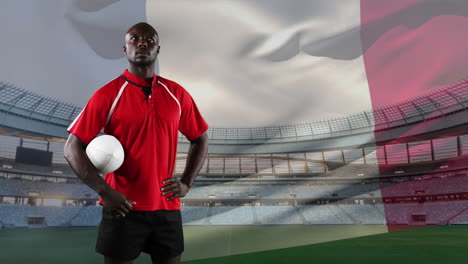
(34, 112)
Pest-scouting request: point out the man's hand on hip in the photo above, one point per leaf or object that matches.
(176, 188)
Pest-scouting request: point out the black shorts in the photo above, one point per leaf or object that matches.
(158, 233)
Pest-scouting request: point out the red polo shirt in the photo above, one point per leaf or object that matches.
(147, 128)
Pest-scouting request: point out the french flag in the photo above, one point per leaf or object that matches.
(255, 62)
(410, 48)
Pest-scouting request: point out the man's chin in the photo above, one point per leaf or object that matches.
(142, 62)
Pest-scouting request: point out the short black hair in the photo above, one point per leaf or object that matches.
(144, 24)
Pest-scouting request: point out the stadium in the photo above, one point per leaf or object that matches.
(342, 178)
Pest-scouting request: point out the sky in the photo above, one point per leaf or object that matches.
(244, 62)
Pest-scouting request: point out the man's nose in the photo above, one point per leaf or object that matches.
(142, 43)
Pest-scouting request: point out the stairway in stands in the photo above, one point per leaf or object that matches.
(69, 222)
(209, 214)
(299, 212)
(254, 212)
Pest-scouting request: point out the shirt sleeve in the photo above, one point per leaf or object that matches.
(92, 118)
(192, 125)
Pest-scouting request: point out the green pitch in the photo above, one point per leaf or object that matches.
(256, 244)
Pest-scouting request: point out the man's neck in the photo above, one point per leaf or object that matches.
(143, 72)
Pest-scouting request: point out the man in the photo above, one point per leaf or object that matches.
(141, 206)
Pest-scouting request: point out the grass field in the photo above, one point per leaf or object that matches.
(256, 244)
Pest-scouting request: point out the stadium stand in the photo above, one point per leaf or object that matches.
(45, 189)
(19, 104)
(277, 215)
(363, 213)
(454, 212)
(88, 216)
(195, 215)
(323, 214)
(232, 215)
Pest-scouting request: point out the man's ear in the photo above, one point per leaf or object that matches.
(125, 49)
(159, 47)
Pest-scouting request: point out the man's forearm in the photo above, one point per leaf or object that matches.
(76, 157)
(195, 158)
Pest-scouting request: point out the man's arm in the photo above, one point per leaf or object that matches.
(195, 158)
(74, 152)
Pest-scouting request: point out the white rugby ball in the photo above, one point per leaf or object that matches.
(106, 153)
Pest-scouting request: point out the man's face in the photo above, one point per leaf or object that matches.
(141, 45)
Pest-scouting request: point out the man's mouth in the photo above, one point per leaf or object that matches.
(142, 52)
